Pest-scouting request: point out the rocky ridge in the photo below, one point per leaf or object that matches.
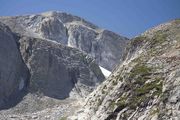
(145, 86)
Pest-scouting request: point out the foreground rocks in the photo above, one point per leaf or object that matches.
(146, 85)
(51, 109)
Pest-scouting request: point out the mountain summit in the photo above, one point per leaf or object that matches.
(103, 45)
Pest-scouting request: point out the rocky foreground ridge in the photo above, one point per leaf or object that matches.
(146, 85)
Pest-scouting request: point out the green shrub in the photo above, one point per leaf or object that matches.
(158, 38)
(148, 87)
(114, 82)
(140, 70)
(138, 40)
(99, 102)
(103, 92)
(63, 118)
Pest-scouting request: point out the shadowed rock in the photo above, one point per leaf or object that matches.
(14, 74)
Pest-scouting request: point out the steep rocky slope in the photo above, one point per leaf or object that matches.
(103, 45)
(41, 78)
(146, 86)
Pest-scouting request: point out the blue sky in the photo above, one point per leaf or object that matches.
(125, 17)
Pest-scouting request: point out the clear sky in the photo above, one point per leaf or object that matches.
(126, 17)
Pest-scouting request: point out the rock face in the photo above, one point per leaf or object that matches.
(105, 46)
(58, 71)
(14, 74)
(146, 85)
(52, 28)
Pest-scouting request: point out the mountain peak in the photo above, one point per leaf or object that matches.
(50, 13)
(103, 45)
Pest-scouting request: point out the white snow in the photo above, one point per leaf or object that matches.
(21, 84)
(105, 71)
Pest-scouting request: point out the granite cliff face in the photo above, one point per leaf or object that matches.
(103, 45)
(59, 71)
(146, 85)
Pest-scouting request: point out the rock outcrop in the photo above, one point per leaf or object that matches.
(146, 85)
(103, 45)
(57, 70)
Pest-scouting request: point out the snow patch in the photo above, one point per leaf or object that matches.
(21, 84)
(105, 71)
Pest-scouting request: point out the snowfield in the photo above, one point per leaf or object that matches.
(105, 71)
